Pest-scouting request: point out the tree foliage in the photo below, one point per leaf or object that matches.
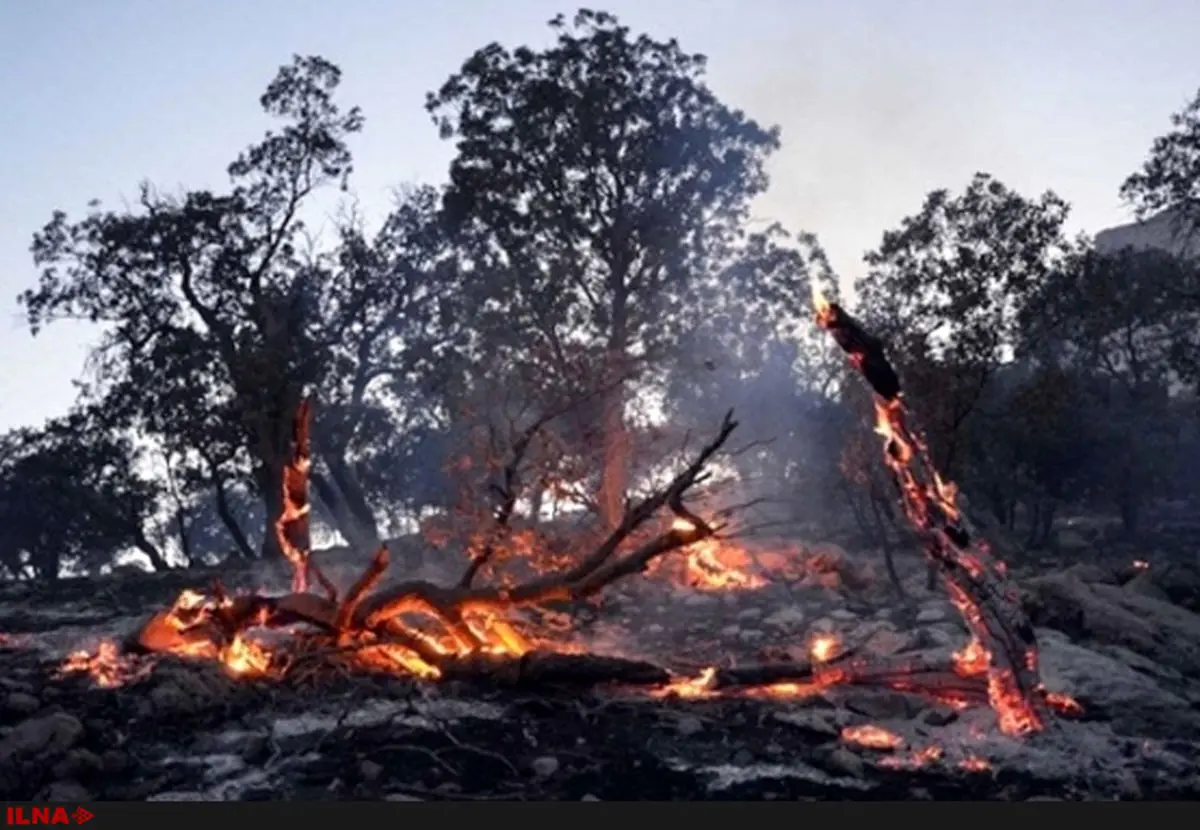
(1170, 177)
(591, 268)
(71, 496)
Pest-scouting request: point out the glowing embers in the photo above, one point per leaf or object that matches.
(107, 667)
(717, 565)
(870, 736)
(184, 631)
(689, 688)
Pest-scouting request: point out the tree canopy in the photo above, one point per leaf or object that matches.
(586, 287)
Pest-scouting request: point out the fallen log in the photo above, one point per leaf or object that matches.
(550, 668)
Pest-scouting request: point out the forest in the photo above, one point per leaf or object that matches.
(543, 334)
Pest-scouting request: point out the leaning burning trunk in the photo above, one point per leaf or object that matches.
(976, 581)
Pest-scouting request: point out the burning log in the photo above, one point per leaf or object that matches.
(976, 582)
(552, 668)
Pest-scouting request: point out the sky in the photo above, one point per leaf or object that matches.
(879, 102)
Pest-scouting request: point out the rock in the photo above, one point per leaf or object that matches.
(880, 705)
(940, 636)
(1177, 582)
(65, 791)
(1144, 585)
(931, 614)
(825, 723)
(188, 689)
(1111, 615)
(370, 771)
(255, 748)
(699, 599)
(589, 797)
(1090, 572)
(14, 685)
(843, 760)
(689, 726)
(730, 631)
(21, 703)
(843, 615)
(114, 761)
(791, 617)
(742, 758)
(749, 614)
(1133, 703)
(79, 764)
(886, 642)
(44, 737)
(1067, 539)
(939, 716)
(545, 766)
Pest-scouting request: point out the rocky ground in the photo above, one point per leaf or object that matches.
(1119, 639)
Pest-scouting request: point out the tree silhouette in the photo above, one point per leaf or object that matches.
(599, 183)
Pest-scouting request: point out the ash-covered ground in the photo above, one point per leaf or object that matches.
(1121, 640)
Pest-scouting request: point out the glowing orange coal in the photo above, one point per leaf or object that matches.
(915, 759)
(691, 687)
(716, 565)
(824, 647)
(872, 737)
(106, 667)
(972, 659)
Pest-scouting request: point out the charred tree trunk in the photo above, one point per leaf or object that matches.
(359, 538)
(614, 482)
(157, 561)
(240, 540)
(270, 483)
(355, 500)
(878, 509)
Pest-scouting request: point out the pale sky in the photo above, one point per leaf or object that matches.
(879, 103)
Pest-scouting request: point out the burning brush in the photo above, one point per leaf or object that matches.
(461, 630)
(421, 628)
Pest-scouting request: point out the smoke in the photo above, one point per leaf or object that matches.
(868, 128)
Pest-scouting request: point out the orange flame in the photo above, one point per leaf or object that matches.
(713, 565)
(821, 306)
(1063, 703)
(871, 737)
(107, 667)
(824, 647)
(972, 659)
(691, 687)
(913, 760)
(973, 763)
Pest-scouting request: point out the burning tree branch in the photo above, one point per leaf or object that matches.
(466, 617)
(976, 581)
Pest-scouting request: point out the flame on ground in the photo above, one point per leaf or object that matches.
(872, 737)
(715, 565)
(914, 759)
(972, 659)
(973, 763)
(106, 667)
(824, 647)
(1064, 704)
(690, 687)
